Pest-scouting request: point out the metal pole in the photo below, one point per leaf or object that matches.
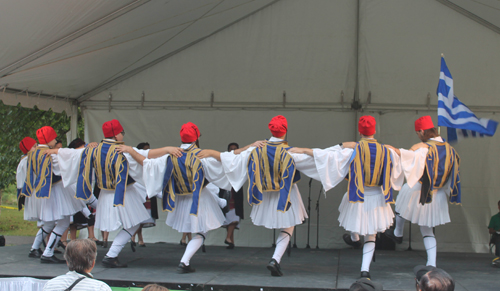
(309, 215)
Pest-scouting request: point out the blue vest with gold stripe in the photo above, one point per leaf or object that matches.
(442, 163)
(371, 166)
(111, 171)
(39, 176)
(183, 176)
(271, 168)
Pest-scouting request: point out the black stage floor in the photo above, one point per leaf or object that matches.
(245, 268)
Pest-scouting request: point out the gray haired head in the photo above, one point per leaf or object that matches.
(80, 255)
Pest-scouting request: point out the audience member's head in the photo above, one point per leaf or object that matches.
(76, 143)
(364, 284)
(143, 146)
(429, 278)
(80, 255)
(232, 146)
(154, 287)
(58, 144)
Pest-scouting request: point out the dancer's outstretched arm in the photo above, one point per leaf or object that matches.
(154, 153)
(216, 154)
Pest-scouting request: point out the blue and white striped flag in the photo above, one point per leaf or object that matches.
(452, 113)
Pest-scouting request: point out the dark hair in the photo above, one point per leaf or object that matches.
(142, 145)
(437, 280)
(233, 144)
(498, 202)
(430, 133)
(58, 141)
(154, 287)
(80, 254)
(76, 143)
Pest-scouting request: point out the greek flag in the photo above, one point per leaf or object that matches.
(452, 113)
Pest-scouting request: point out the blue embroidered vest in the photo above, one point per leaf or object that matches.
(370, 167)
(39, 176)
(442, 163)
(271, 168)
(183, 176)
(111, 171)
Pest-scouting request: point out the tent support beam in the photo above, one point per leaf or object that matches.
(59, 43)
(134, 72)
(470, 15)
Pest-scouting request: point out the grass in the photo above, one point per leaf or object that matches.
(12, 220)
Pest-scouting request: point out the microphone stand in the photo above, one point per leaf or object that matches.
(317, 223)
(309, 215)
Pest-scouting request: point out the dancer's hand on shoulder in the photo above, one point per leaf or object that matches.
(51, 152)
(206, 154)
(418, 146)
(124, 149)
(174, 151)
(259, 143)
(92, 145)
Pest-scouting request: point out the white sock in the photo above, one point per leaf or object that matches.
(193, 246)
(400, 226)
(368, 251)
(354, 237)
(282, 243)
(222, 202)
(42, 233)
(62, 225)
(121, 240)
(92, 202)
(86, 212)
(430, 244)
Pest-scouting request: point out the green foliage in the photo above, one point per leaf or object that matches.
(9, 196)
(18, 122)
(12, 223)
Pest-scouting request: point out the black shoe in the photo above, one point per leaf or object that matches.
(61, 244)
(230, 246)
(105, 244)
(35, 253)
(56, 251)
(51, 260)
(348, 240)
(109, 262)
(143, 245)
(275, 268)
(390, 234)
(183, 243)
(183, 269)
(365, 274)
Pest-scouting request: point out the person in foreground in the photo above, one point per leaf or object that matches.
(428, 278)
(80, 257)
(494, 229)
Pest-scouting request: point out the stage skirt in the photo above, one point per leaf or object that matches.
(431, 214)
(209, 217)
(369, 217)
(32, 209)
(132, 213)
(60, 204)
(230, 218)
(266, 213)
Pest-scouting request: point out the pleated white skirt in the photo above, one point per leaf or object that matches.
(432, 214)
(231, 217)
(369, 217)
(60, 204)
(32, 208)
(110, 218)
(266, 213)
(209, 216)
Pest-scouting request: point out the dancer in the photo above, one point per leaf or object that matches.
(372, 174)
(234, 209)
(193, 204)
(432, 174)
(115, 175)
(273, 193)
(43, 182)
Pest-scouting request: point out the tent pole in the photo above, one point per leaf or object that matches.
(74, 121)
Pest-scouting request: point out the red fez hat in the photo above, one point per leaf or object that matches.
(26, 144)
(423, 123)
(278, 126)
(366, 125)
(189, 132)
(46, 134)
(111, 128)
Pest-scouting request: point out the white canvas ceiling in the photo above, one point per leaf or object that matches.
(230, 65)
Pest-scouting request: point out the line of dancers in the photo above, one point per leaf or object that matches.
(57, 183)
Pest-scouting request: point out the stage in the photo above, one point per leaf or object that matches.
(245, 268)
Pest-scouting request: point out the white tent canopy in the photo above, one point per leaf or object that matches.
(229, 66)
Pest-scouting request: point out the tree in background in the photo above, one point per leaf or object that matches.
(18, 122)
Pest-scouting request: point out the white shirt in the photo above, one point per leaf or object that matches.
(62, 282)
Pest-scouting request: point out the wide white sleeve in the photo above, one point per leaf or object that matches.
(236, 167)
(397, 177)
(332, 165)
(413, 164)
(305, 165)
(153, 171)
(69, 164)
(134, 168)
(21, 173)
(214, 173)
